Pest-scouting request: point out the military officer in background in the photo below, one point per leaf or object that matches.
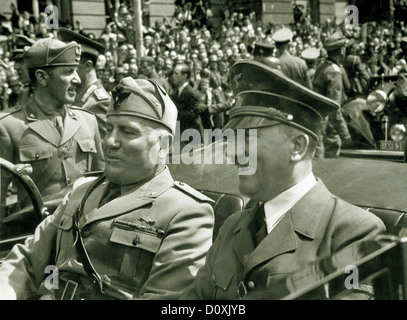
(330, 80)
(59, 141)
(90, 95)
(293, 67)
(293, 219)
(21, 44)
(141, 234)
(310, 56)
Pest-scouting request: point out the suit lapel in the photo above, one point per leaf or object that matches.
(243, 244)
(303, 218)
(40, 124)
(71, 125)
(130, 201)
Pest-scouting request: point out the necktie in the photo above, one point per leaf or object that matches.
(260, 227)
(113, 193)
(59, 124)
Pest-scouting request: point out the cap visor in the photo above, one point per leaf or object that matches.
(247, 122)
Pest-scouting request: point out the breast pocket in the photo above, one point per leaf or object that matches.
(221, 278)
(87, 148)
(132, 256)
(35, 152)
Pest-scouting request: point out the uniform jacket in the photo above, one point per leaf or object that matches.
(318, 225)
(28, 136)
(96, 99)
(328, 81)
(295, 68)
(148, 243)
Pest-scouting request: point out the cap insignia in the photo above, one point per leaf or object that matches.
(119, 95)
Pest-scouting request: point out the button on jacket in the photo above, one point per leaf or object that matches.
(318, 225)
(28, 136)
(148, 243)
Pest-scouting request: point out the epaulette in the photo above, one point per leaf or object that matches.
(80, 109)
(93, 173)
(101, 94)
(6, 112)
(192, 192)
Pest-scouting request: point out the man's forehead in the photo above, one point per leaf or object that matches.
(130, 121)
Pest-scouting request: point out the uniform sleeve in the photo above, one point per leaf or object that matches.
(182, 253)
(334, 85)
(202, 287)
(99, 108)
(24, 268)
(98, 161)
(6, 152)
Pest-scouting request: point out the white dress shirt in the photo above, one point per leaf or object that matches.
(276, 208)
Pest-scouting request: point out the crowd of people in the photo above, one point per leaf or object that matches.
(189, 36)
(90, 105)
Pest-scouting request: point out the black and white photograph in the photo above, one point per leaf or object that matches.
(206, 156)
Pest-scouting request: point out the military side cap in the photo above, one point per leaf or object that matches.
(51, 52)
(265, 97)
(145, 99)
(88, 45)
(283, 35)
(310, 54)
(21, 44)
(336, 41)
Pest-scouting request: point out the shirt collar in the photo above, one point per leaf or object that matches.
(275, 208)
(182, 88)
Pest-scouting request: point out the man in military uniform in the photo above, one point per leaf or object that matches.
(293, 218)
(21, 44)
(310, 56)
(90, 95)
(293, 67)
(330, 80)
(141, 234)
(59, 141)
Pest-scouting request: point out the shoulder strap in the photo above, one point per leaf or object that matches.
(80, 246)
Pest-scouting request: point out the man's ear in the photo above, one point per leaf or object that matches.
(300, 143)
(42, 77)
(88, 65)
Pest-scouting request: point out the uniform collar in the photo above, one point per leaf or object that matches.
(278, 206)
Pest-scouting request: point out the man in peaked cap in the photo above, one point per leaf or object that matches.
(292, 217)
(59, 141)
(293, 67)
(21, 44)
(330, 80)
(145, 234)
(90, 95)
(310, 56)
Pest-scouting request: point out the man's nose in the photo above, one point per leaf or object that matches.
(111, 140)
(76, 79)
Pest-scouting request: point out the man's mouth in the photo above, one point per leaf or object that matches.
(72, 92)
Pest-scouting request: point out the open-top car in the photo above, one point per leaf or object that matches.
(375, 185)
